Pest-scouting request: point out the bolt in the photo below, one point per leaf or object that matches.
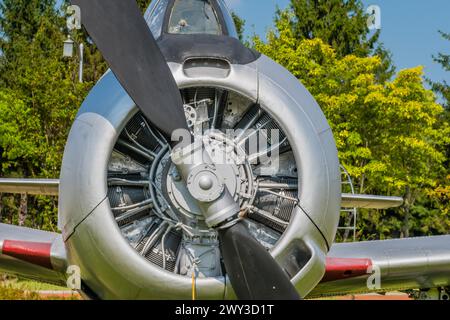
(176, 177)
(206, 183)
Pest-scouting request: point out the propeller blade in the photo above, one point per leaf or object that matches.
(127, 44)
(253, 272)
(120, 32)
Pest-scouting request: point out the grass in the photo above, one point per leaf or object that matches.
(10, 293)
(21, 289)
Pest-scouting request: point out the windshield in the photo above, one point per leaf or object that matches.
(155, 16)
(193, 17)
(228, 19)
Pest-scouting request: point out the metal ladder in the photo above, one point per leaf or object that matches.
(349, 216)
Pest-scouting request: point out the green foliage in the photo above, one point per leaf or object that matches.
(9, 293)
(39, 98)
(441, 194)
(143, 4)
(240, 25)
(388, 133)
(444, 60)
(20, 21)
(19, 289)
(28, 285)
(94, 64)
(340, 23)
(36, 116)
(391, 134)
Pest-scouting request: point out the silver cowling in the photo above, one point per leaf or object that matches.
(112, 269)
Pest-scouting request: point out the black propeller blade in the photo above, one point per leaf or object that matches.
(122, 35)
(254, 274)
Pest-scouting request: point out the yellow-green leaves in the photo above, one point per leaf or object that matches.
(390, 134)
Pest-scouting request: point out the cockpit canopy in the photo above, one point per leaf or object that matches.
(190, 17)
(193, 17)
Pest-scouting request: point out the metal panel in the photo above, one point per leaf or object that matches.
(370, 201)
(414, 263)
(86, 213)
(50, 187)
(314, 148)
(83, 173)
(28, 270)
(30, 186)
(114, 270)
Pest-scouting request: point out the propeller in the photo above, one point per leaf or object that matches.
(253, 272)
(122, 35)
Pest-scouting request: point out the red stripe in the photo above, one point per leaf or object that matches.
(340, 269)
(37, 253)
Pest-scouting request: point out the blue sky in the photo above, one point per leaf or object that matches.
(409, 28)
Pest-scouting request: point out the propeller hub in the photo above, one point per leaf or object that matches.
(204, 166)
(205, 184)
(209, 181)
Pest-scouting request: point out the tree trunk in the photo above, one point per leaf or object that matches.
(1, 207)
(361, 183)
(23, 209)
(407, 211)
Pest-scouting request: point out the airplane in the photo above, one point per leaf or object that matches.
(138, 222)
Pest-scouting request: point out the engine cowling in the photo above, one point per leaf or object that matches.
(131, 227)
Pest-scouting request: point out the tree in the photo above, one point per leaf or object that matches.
(39, 97)
(340, 23)
(388, 132)
(20, 20)
(240, 24)
(440, 196)
(94, 64)
(444, 60)
(143, 4)
(38, 100)
(41, 86)
(1, 207)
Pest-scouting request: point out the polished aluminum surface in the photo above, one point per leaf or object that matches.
(365, 201)
(314, 149)
(50, 187)
(27, 270)
(30, 186)
(113, 269)
(83, 199)
(413, 263)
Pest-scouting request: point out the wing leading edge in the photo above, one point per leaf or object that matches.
(47, 187)
(50, 187)
(365, 201)
(32, 254)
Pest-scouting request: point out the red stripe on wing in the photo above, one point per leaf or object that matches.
(37, 253)
(340, 268)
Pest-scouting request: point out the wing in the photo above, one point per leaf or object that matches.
(51, 187)
(30, 186)
(370, 202)
(32, 254)
(384, 266)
